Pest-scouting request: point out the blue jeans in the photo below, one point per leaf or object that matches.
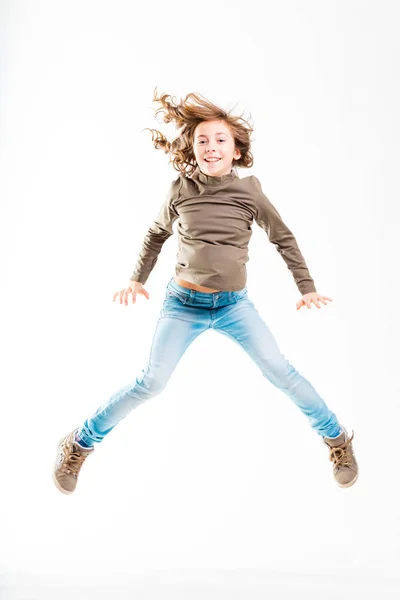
(184, 316)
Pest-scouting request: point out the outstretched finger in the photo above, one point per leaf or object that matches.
(126, 296)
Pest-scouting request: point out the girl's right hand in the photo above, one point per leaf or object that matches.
(133, 288)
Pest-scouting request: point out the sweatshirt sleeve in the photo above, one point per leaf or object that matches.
(158, 233)
(268, 218)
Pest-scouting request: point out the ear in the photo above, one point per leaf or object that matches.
(236, 154)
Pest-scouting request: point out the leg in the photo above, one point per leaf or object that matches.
(173, 335)
(244, 325)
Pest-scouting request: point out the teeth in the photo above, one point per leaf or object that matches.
(211, 159)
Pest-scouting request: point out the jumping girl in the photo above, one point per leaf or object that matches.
(214, 209)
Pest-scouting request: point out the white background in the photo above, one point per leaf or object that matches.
(218, 487)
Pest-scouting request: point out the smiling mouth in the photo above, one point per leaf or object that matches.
(212, 159)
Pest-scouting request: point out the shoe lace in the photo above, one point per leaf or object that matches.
(340, 455)
(74, 461)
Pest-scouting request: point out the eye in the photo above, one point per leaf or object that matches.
(203, 141)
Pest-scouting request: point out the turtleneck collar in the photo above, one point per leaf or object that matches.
(209, 180)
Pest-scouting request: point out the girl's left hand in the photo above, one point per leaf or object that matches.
(307, 299)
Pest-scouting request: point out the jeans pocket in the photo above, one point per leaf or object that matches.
(174, 294)
(241, 294)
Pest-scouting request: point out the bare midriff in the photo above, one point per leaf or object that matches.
(193, 286)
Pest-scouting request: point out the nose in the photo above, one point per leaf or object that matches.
(210, 147)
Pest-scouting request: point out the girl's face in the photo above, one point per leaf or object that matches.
(213, 140)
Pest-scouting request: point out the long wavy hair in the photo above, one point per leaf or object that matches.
(186, 115)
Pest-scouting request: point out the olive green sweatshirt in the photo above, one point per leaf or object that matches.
(215, 215)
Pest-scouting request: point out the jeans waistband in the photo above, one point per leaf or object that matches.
(212, 299)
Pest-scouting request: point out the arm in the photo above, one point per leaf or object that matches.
(268, 218)
(157, 234)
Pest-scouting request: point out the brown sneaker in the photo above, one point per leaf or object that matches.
(70, 458)
(345, 468)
